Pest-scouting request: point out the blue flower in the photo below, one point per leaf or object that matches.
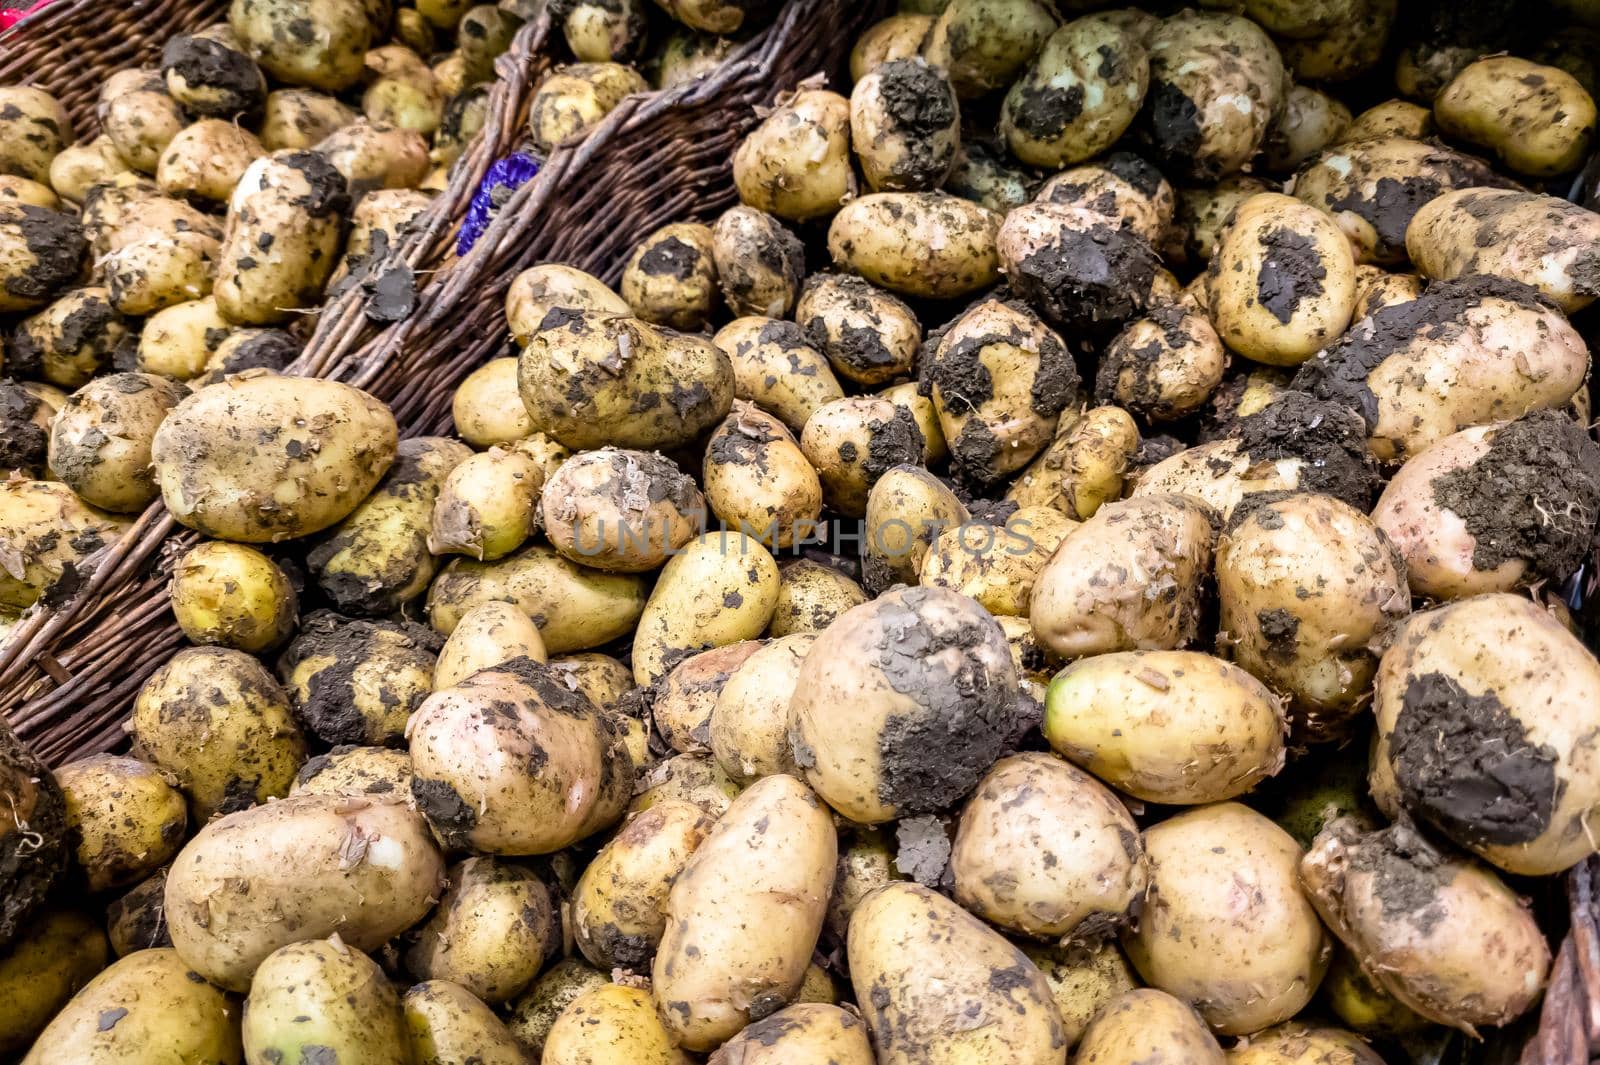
(503, 179)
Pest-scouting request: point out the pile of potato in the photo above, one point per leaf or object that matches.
(1066, 567)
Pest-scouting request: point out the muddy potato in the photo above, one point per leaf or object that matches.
(695, 778)
(1442, 934)
(34, 130)
(907, 396)
(49, 534)
(301, 118)
(282, 238)
(377, 224)
(749, 723)
(681, 709)
(317, 44)
(461, 120)
(868, 335)
(982, 45)
(249, 349)
(1465, 353)
(1295, 1041)
(709, 16)
(1226, 880)
(671, 277)
(574, 607)
(922, 244)
(401, 90)
(1376, 290)
(302, 879)
(41, 253)
(718, 589)
(488, 635)
(996, 563)
(483, 33)
(796, 163)
(952, 990)
(999, 379)
(1128, 578)
(1076, 266)
(1349, 49)
(744, 914)
(357, 681)
(1122, 186)
(216, 721)
(982, 174)
(866, 863)
(533, 1015)
(379, 773)
(125, 820)
(82, 166)
(776, 367)
(758, 481)
(620, 511)
(603, 680)
(1163, 366)
(1010, 870)
(806, 1033)
(60, 952)
(26, 408)
(1308, 587)
(1282, 282)
(684, 56)
(1083, 979)
(21, 190)
(448, 1025)
(572, 102)
(178, 341)
(1494, 507)
(1203, 212)
(100, 439)
(486, 408)
(1538, 120)
(473, 747)
(582, 377)
(1149, 746)
(1392, 118)
(899, 36)
(158, 1009)
(139, 117)
(322, 997)
(1148, 1027)
(210, 74)
(1521, 236)
(138, 920)
(495, 927)
(1364, 1006)
(205, 160)
(165, 253)
(1310, 121)
(336, 443)
(1079, 95)
(618, 906)
(488, 505)
(610, 1022)
(907, 510)
(757, 261)
(1509, 678)
(1083, 467)
(887, 734)
(904, 126)
(538, 290)
(852, 442)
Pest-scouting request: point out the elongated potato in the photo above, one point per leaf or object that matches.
(1539, 120)
(721, 588)
(1079, 95)
(770, 861)
(758, 480)
(1083, 467)
(749, 724)
(759, 263)
(904, 126)
(922, 244)
(323, 998)
(449, 1025)
(907, 510)
(945, 988)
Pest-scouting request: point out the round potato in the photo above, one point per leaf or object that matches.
(494, 929)
(758, 263)
(35, 128)
(1311, 120)
(996, 564)
(758, 481)
(50, 535)
(321, 998)
(488, 505)
(41, 253)
(59, 953)
(100, 439)
(354, 681)
(210, 74)
(982, 45)
(1163, 366)
(853, 442)
(621, 511)
(1151, 1027)
(868, 335)
(796, 163)
(907, 509)
(671, 277)
(610, 1023)
(232, 595)
(125, 819)
(571, 103)
(811, 596)
(488, 635)
(684, 699)
(206, 160)
(319, 44)
(301, 118)
(1077, 266)
(486, 408)
(904, 126)
(1084, 979)
(899, 36)
(803, 1032)
(449, 1025)
(776, 367)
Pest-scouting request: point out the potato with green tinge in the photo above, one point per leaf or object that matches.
(1224, 888)
(495, 927)
(1079, 95)
(1538, 120)
(61, 951)
(776, 367)
(796, 163)
(757, 479)
(905, 126)
(928, 245)
(620, 511)
(323, 998)
(670, 279)
(355, 680)
(868, 335)
(125, 820)
(982, 45)
(720, 588)
(1148, 1027)
(34, 130)
(232, 595)
(449, 1025)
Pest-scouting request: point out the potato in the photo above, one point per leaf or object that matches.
(488, 504)
(745, 913)
(1282, 283)
(378, 772)
(1084, 979)
(210, 74)
(1300, 1042)
(217, 478)
(1224, 879)
(282, 239)
(138, 920)
(493, 931)
(947, 988)
(100, 439)
(536, 1012)
(899, 36)
(749, 723)
(448, 1025)
(301, 118)
(1373, 187)
(999, 379)
(82, 166)
(1077, 267)
(1122, 186)
(610, 1023)
(907, 396)
(1440, 933)
(232, 595)
(1347, 50)
(1376, 290)
(380, 221)
(22, 190)
(126, 820)
(776, 367)
(923, 244)
(311, 866)
(1363, 1005)
(488, 635)
(584, 378)
(357, 681)
(484, 33)
(670, 278)
(145, 1007)
(47, 535)
(796, 163)
(60, 952)
(402, 90)
(1163, 366)
(1203, 212)
(621, 511)
(1519, 236)
(376, 155)
(1008, 871)
(995, 562)
(757, 262)
(983, 175)
(569, 104)
(1082, 467)
(486, 408)
(811, 596)
(1308, 586)
(868, 335)
(1465, 353)
(599, 31)
(1148, 1026)
(684, 56)
(318, 44)
(320, 997)
(35, 128)
(618, 906)
(574, 607)
(512, 762)
(1392, 118)
(684, 699)
(904, 126)
(461, 120)
(852, 442)
(1216, 80)
(538, 290)
(206, 160)
(907, 509)
(41, 253)
(802, 1033)
(1311, 120)
(26, 409)
(1079, 95)
(217, 722)
(758, 481)
(716, 590)
(249, 349)
(139, 117)
(983, 45)
(178, 341)
(902, 704)
(167, 253)
(1538, 120)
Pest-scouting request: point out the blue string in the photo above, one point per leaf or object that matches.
(503, 178)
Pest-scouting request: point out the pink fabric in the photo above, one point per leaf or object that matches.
(11, 16)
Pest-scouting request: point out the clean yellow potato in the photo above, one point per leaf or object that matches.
(721, 588)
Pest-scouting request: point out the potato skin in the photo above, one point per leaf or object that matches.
(907, 510)
(1084, 979)
(304, 881)
(170, 1011)
(36, 129)
(1202, 864)
(932, 969)
(538, 290)
(1080, 94)
(811, 596)
(60, 953)
(282, 237)
(621, 511)
(301, 118)
(571, 103)
(206, 159)
(924, 244)
(357, 681)
(1149, 1026)
(323, 997)
(758, 480)
(1295, 1041)
(100, 438)
(1151, 749)
(488, 635)
(378, 772)
(671, 277)
(1163, 366)
(904, 126)
(852, 442)
(982, 45)
(759, 263)
(777, 367)
(126, 819)
(318, 44)
(868, 335)
(1538, 120)
(681, 708)
(610, 1023)
(492, 932)
(749, 724)
(745, 913)
(1083, 467)
(1006, 868)
(721, 588)
(796, 163)
(233, 596)
(448, 1025)
(804, 1032)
